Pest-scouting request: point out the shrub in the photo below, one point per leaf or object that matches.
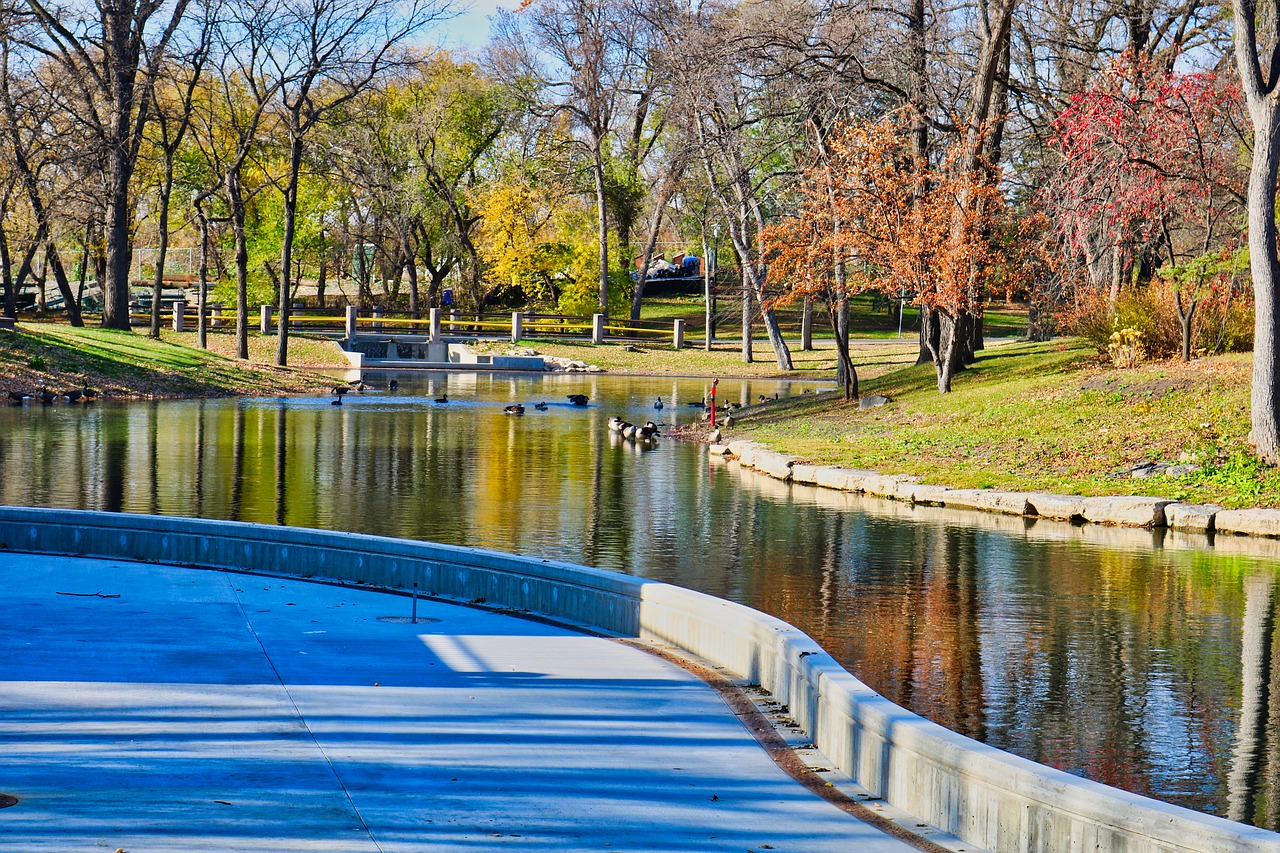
(1126, 348)
(1223, 321)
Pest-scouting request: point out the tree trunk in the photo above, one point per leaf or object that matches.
(1185, 317)
(947, 354)
(929, 326)
(411, 267)
(64, 285)
(602, 223)
(236, 199)
(115, 288)
(1260, 205)
(846, 374)
(320, 279)
(806, 324)
(202, 295)
(6, 275)
(1117, 274)
(286, 247)
(157, 287)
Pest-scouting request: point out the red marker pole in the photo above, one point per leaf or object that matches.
(714, 383)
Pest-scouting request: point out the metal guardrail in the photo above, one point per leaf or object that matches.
(519, 325)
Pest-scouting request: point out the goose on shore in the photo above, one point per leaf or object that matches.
(393, 385)
(339, 390)
(19, 398)
(47, 396)
(89, 394)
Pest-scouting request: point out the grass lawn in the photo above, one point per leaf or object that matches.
(131, 365)
(1049, 417)
(724, 360)
(867, 317)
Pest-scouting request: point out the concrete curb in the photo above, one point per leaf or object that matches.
(1118, 510)
(990, 799)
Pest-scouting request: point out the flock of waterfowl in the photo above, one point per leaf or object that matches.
(45, 396)
(359, 386)
(646, 432)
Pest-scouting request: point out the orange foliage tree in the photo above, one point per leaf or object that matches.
(896, 226)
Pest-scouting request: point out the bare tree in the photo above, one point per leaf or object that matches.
(743, 121)
(227, 113)
(113, 54)
(332, 50)
(172, 110)
(38, 143)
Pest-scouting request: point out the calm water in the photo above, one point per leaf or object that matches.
(1107, 653)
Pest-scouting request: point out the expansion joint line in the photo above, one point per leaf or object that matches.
(298, 711)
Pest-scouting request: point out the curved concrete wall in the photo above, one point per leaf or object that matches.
(989, 798)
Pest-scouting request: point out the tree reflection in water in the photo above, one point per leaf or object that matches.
(1108, 653)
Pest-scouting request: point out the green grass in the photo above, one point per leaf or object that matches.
(724, 360)
(130, 364)
(1045, 417)
(867, 317)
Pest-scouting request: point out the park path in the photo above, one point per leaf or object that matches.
(164, 709)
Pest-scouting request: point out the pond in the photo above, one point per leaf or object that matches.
(1143, 660)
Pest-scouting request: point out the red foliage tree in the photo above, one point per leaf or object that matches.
(867, 204)
(1144, 151)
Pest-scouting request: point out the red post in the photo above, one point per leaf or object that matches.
(714, 383)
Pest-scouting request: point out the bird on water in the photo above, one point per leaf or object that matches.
(443, 398)
(516, 409)
(658, 404)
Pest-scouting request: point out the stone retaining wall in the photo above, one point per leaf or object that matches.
(989, 798)
(1125, 510)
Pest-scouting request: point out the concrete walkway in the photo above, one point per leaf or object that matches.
(168, 709)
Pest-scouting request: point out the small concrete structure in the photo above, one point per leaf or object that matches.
(264, 319)
(597, 329)
(8, 324)
(420, 352)
(991, 799)
(677, 335)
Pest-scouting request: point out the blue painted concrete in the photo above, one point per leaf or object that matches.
(212, 711)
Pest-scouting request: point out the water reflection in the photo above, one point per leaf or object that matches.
(1141, 659)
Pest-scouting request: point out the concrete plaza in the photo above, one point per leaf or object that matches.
(157, 708)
